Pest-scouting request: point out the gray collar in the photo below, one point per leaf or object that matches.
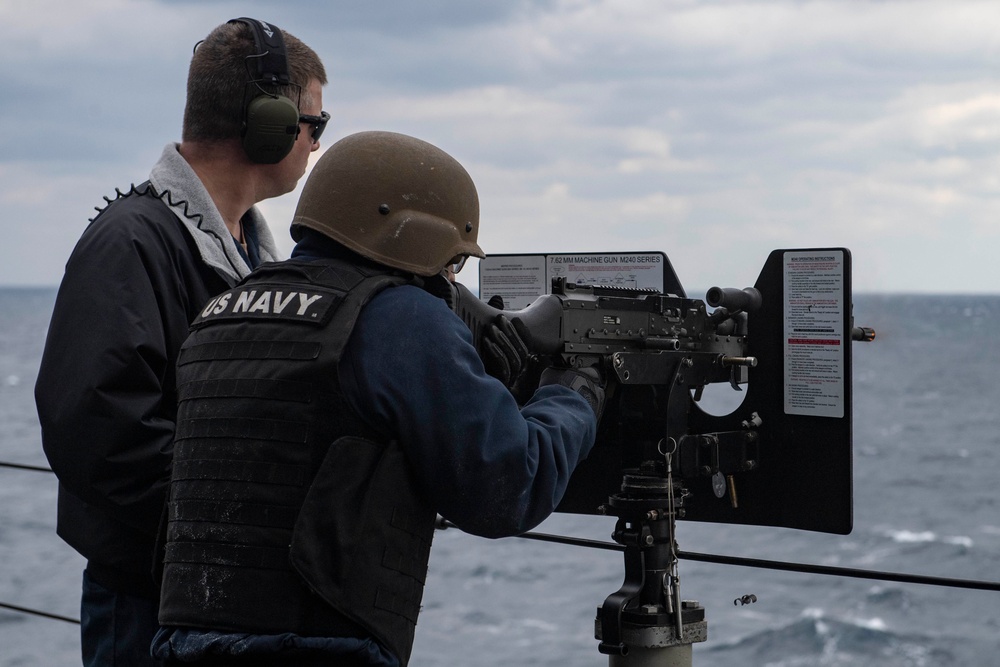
(191, 203)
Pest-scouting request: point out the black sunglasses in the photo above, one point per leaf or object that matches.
(318, 123)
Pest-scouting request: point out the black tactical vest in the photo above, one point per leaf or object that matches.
(286, 514)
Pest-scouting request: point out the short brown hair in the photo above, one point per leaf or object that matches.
(217, 87)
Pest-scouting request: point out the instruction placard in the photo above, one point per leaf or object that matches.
(520, 279)
(814, 317)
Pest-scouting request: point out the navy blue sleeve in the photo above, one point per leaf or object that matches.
(411, 372)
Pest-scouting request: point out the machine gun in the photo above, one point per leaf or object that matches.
(781, 458)
(653, 348)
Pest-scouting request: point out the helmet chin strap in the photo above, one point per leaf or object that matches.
(440, 286)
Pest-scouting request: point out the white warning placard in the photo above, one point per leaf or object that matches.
(814, 317)
(520, 279)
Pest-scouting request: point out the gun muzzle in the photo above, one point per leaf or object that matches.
(732, 299)
(863, 334)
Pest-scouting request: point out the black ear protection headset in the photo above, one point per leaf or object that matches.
(270, 121)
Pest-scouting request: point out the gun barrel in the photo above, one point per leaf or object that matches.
(656, 343)
(731, 298)
(750, 362)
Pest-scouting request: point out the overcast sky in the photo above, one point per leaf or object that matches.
(714, 131)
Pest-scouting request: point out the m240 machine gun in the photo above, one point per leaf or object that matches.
(783, 457)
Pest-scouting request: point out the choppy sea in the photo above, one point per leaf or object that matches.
(927, 502)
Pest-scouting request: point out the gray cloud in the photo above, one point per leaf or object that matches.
(715, 131)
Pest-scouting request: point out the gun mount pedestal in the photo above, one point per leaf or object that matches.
(646, 623)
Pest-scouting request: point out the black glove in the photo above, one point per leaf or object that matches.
(504, 353)
(441, 287)
(527, 383)
(588, 382)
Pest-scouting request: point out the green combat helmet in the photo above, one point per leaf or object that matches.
(394, 199)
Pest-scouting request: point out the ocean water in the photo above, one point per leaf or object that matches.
(927, 501)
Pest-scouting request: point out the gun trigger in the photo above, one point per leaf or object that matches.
(733, 380)
(698, 392)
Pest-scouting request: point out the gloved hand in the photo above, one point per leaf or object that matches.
(588, 382)
(504, 353)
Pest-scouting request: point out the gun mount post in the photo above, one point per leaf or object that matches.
(646, 623)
